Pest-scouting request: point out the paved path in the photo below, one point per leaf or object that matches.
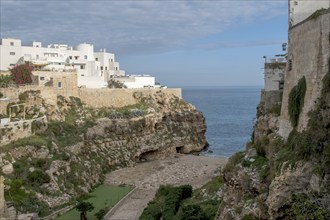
(147, 177)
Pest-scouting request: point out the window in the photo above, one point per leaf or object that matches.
(59, 84)
(106, 68)
(37, 56)
(111, 60)
(12, 64)
(96, 59)
(42, 78)
(101, 67)
(290, 65)
(11, 53)
(116, 68)
(82, 67)
(70, 57)
(85, 57)
(11, 43)
(76, 57)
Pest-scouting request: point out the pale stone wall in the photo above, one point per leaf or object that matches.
(21, 129)
(269, 99)
(308, 54)
(274, 75)
(92, 97)
(118, 97)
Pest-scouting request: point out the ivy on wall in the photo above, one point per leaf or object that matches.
(296, 101)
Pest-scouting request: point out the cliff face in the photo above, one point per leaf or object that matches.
(285, 171)
(81, 144)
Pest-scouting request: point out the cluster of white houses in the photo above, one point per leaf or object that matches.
(94, 69)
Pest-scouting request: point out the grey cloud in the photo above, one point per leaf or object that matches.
(128, 27)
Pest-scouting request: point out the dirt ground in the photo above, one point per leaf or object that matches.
(148, 176)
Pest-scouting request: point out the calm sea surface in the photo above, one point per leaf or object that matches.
(230, 113)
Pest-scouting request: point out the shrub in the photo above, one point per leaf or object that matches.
(5, 81)
(296, 101)
(101, 213)
(233, 160)
(115, 84)
(22, 74)
(303, 207)
(34, 140)
(192, 212)
(38, 177)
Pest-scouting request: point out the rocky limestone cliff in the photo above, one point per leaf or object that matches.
(82, 143)
(285, 171)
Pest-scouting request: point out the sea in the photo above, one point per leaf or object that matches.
(230, 114)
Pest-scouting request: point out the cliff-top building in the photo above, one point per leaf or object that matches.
(94, 69)
(299, 10)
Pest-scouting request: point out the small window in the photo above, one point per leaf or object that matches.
(96, 59)
(290, 65)
(11, 43)
(12, 53)
(70, 57)
(12, 64)
(59, 84)
(101, 67)
(116, 68)
(85, 57)
(106, 68)
(76, 57)
(81, 67)
(42, 78)
(111, 60)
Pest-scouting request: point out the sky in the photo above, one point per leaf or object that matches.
(180, 42)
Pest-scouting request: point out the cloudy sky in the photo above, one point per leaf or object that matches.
(181, 42)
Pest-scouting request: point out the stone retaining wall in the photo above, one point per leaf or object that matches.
(21, 129)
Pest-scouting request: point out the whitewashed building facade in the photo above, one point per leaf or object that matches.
(299, 10)
(94, 69)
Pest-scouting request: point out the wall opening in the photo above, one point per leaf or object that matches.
(148, 156)
(179, 149)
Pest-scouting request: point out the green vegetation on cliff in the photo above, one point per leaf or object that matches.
(296, 101)
(52, 168)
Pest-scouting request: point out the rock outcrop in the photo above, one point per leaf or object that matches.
(82, 143)
(285, 171)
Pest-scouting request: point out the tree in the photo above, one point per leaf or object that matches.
(22, 74)
(83, 208)
(115, 84)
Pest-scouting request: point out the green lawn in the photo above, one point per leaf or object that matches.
(103, 196)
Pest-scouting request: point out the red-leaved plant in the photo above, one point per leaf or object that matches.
(22, 74)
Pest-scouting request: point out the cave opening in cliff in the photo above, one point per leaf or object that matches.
(148, 156)
(179, 149)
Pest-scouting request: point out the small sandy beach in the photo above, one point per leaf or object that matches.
(148, 176)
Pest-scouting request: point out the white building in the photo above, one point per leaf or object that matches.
(274, 74)
(137, 81)
(299, 10)
(93, 69)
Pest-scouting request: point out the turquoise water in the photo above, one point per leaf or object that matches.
(230, 114)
